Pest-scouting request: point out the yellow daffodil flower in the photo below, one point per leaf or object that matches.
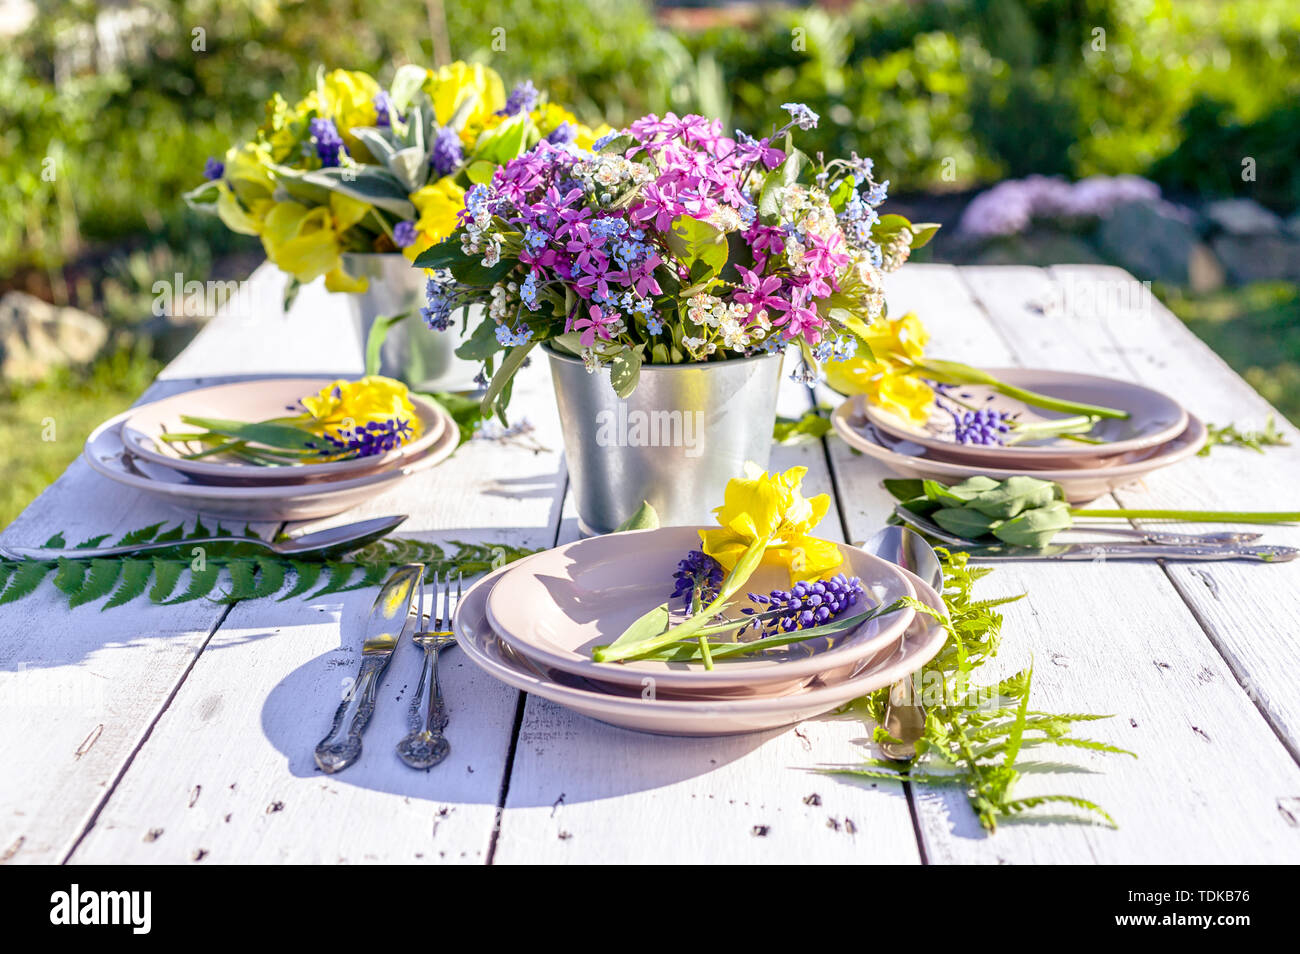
(345, 409)
(245, 190)
(450, 84)
(892, 339)
(772, 507)
(885, 378)
(348, 98)
(438, 203)
(306, 242)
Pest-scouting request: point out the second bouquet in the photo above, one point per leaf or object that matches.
(666, 270)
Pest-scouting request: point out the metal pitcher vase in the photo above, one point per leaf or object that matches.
(426, 360)
(674, 442)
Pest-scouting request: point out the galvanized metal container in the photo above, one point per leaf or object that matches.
(679, 437)
(424, 359)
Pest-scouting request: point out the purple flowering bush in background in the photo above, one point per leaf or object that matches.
(669, 242)
(1010, 207)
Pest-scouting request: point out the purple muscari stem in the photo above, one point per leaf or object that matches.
(328, 141)
(446, 152)
(383, 109)
(521, 99)
(368, 440)
(213, 169)
(404, 234)
(985, 426)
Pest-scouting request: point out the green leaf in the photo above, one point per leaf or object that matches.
(369, 184)
(811, 426)
(339, 574)
(695, 241)
(408, 80)
(480, 171)
(279, 436)
(135, 578)
(167, 574)
(305, 576)
(481, 344)
(1037, 527)
(625, 371)
(969, 524)
(903, 488)
(270, 577)
(1013, 495)
(243, 580)
(55, 542)
(143, 535)
(25, 579)
(201, 583)
(375, 339)
(71, 575)
(100, 579)
(492, 400)
(645, 518)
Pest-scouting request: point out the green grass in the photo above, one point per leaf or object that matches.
(1256, 329)
(43, 426)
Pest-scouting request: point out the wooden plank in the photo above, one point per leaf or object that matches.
(241, 729)
(1103, 638)
(1251, 612)
(80, 688)
(582, 792)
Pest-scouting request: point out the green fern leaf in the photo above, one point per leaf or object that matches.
(339, 574)
(99, 581)
(270, 577)
(306, 574)
(167, 574)
(135, 577)
(1021, 804)
(70, 576)
(56, 542)
(175, 533)
(143, 535)
(201, 584)
(25, 579)
(92, 542)
(373, 576)
(243, 580)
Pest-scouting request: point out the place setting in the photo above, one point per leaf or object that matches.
(274, 449)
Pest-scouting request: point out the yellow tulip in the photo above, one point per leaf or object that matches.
(449, 85)
(348, 98)
(245, 190)
(772, 507)
(438, 204)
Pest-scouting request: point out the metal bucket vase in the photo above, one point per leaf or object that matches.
(426, 360)
(675, 442)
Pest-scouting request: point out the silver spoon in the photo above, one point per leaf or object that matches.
(904, 717)
(932, 529)
(332, 541)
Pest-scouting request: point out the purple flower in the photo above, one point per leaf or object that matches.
(329, 144)
(368, 440)
(404, 234)
(698, 569)
(521, 99)
(808, 603)
(563, 133)
(801, 115)
(446, 152)
(383, 109)
(985, 426)
(213, 169)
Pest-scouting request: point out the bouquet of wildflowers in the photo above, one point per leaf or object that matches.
(354, 167)
(669, 242)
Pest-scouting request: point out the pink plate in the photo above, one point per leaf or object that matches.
(258, 400)
(1081, 485)
(696, 717)
(1154, 419)
(258, 502)
(554, 607)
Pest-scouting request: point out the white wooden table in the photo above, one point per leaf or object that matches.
(184, 734)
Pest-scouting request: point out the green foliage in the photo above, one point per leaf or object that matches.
(975, 734)
(251, 573)
(1232, 436)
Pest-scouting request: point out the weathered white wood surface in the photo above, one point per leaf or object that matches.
(183, 734)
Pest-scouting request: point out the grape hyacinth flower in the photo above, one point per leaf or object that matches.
(446, 152)
(329, 144)
(697, 570)
(213, 169)
(808, 603)
(522, 99)
(985, 426)
(368, 440)
(561, 134)
(404, 234)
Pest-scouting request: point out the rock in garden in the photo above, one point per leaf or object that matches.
(1242, 217)
(36, 337)
(1157, 240)
(1255, 258)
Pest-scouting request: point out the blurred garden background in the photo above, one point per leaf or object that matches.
(108, 111)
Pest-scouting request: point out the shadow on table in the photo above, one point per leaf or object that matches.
(594, 760)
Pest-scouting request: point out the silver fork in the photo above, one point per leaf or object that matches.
(426, 746)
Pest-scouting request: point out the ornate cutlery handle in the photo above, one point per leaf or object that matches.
(1137, 551)
(1168, 536)
(342, 746)
(426, 746)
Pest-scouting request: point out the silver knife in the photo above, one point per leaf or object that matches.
(384, 628)
(1131, 551)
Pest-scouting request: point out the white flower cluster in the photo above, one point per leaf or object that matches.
(505, 301)
(737, 324)
(604, 176)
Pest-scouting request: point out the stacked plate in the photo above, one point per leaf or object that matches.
(1117, 451)
(534, 623)
(129, 449)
